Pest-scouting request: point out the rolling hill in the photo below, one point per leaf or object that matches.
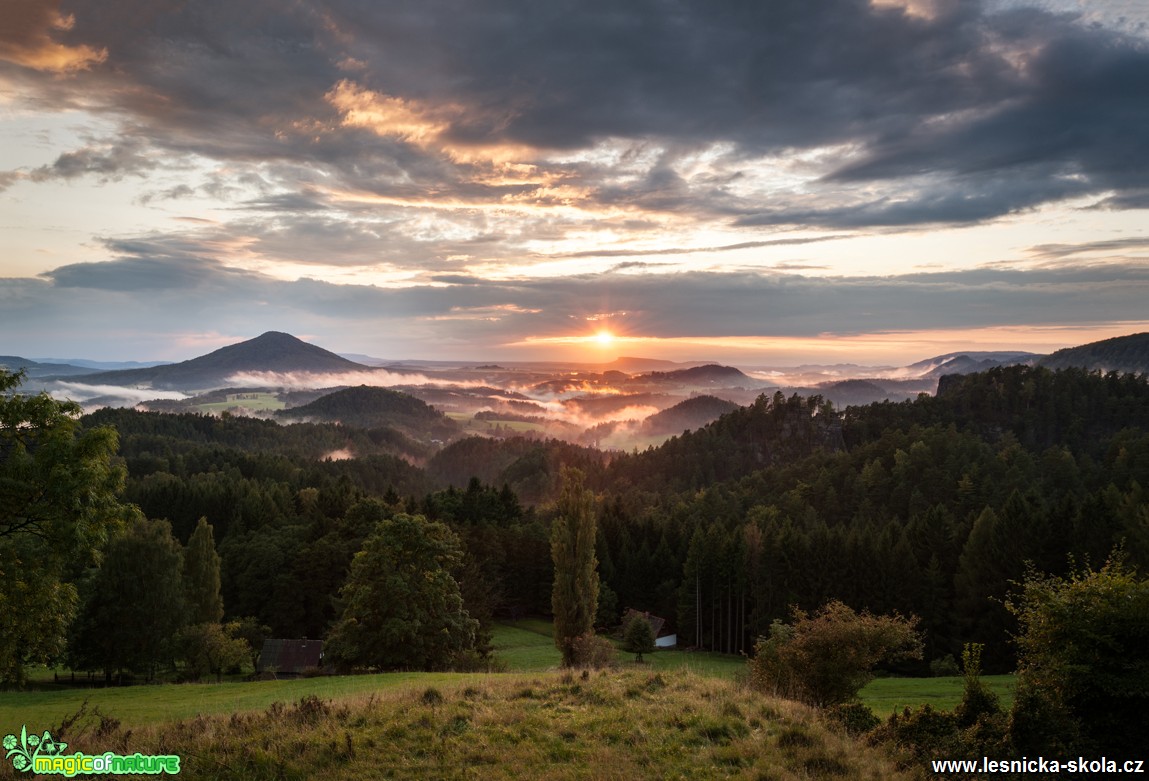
(711, 374)
(1128, 354)
(370, 407)
(689, 414)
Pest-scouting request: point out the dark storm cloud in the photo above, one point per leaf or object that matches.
(980, 115)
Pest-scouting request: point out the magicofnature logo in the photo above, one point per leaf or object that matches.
(44, 755)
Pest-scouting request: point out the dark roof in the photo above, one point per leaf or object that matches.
(290, 656)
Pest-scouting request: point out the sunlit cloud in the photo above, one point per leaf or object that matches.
(27, 38)
(388, 115)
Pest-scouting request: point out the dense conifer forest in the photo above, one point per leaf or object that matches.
(932, 507)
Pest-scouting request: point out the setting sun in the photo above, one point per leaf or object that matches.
(604, 338)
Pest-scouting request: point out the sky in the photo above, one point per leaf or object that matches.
(767, 182)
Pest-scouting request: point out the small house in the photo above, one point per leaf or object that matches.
(662, 638)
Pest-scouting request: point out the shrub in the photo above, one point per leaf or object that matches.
(1083, 674)
(978, 700)
(826, 658)
(944, 667)
(591, 650)
(471, 660)
(924, 733)
(854, 717)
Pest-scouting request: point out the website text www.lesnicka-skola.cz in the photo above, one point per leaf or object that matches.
(1038, 765)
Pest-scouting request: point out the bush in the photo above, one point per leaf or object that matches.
(591, 650)
(944, 667)
(472, 661)
(1083, 674)
(924, 733)
(826, 658)
(854, 717)
(978, 700)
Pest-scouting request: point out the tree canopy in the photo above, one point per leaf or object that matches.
(59, 499)
(401, 607)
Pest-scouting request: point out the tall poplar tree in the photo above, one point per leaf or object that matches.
(201, 577)
(574, 596)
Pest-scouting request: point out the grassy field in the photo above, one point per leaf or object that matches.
(519, 647)
(528, 646)
(139, 705)
(252, 401)
(886, 695)
(470, 423)
(617, 724)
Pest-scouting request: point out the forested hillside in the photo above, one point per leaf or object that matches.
(931, 507)
(1122, 353)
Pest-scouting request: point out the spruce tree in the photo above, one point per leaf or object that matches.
(574, 597)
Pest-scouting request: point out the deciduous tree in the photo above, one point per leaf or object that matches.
(59, 489)
(134, 602)
(401, 607)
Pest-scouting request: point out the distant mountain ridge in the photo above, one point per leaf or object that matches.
(36, 369)
(968, 362)
(270, 352)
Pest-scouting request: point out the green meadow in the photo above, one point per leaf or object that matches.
(519, 647)
(886, 695)
(624, 723)
(255, 401)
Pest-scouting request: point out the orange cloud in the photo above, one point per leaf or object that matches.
(387, 115)
(426, 124)
(26, 38)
